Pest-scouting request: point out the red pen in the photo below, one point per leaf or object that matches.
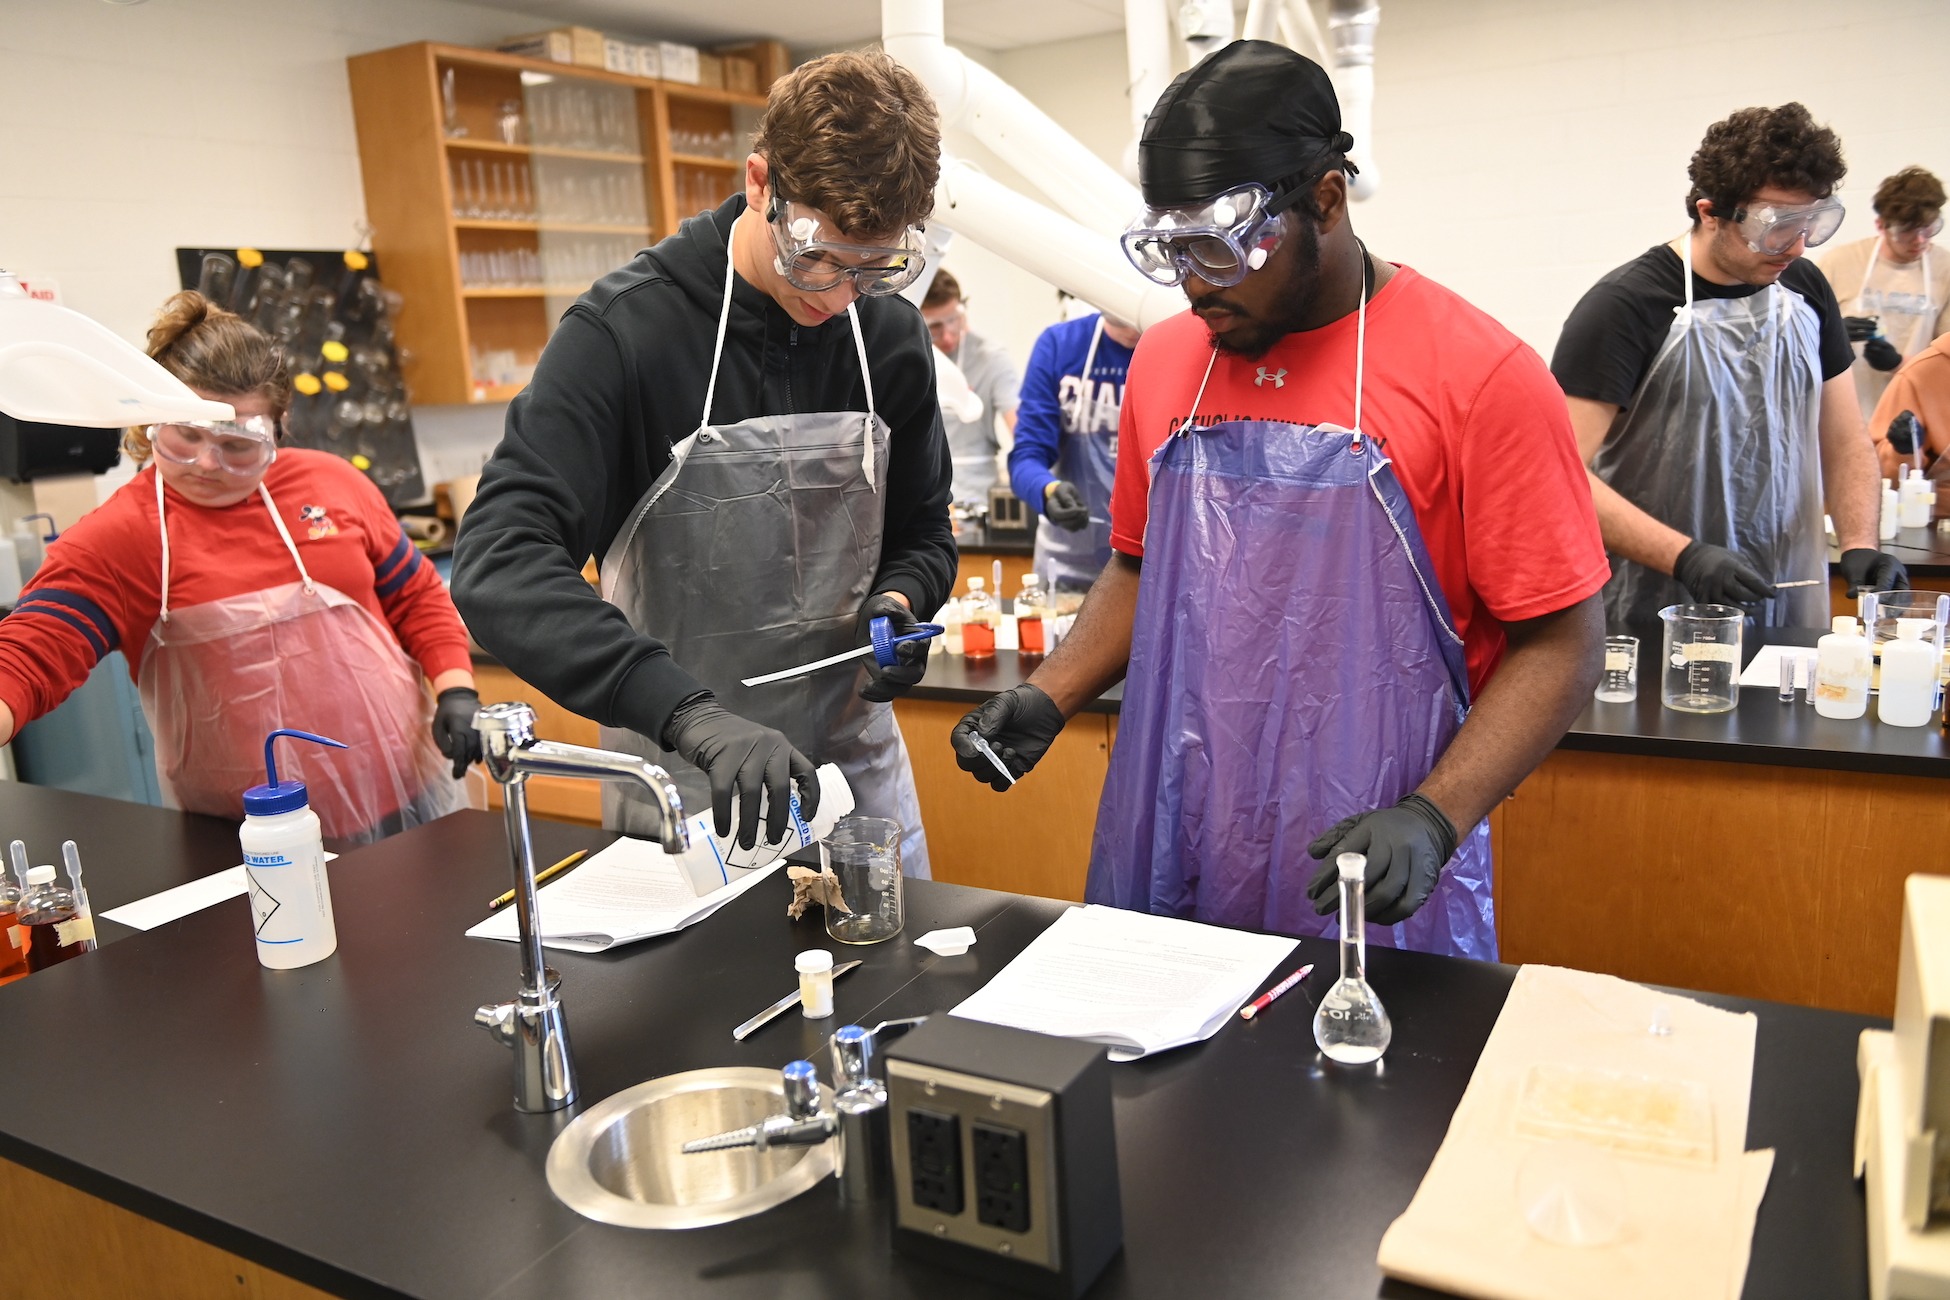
(1266, 999)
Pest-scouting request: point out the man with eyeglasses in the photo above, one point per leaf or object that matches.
(1347, 505)
(1708, 383)
(1895, 296)
(991, 376)
(741, 426)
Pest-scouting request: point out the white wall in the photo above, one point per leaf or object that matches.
(1528, 146)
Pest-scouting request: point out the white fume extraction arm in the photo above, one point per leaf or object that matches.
(59, 367)
(1076, 248)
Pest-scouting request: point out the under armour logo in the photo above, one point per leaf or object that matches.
(1277, 376)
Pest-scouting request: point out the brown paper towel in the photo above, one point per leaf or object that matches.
(1689, 1222)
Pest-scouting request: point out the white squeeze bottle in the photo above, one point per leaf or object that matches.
(1842, 671)
(284, 861)
(1909, 669)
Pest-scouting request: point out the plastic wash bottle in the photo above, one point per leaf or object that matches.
(284, 861)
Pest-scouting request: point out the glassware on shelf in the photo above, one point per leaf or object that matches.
(450, 107)
(510, 121)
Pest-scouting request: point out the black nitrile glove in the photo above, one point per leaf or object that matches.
(1020, 724)
(1905, 431)
(1406, 847)
(453, 727)
(883, 684)
(1880, 353)
(1713, 575)
(1861, 328)
(1064, 506)
(1870, 570)
(740, 756)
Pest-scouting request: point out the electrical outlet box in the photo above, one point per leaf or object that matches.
(1005, 1155)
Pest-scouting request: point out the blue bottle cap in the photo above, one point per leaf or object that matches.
(277, 796)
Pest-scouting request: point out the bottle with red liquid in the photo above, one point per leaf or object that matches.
(57, 927)
(1032, 608)
(980, 615)
(13, 939)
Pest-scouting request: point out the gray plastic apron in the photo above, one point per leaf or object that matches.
(1722, 442)
(761, 556)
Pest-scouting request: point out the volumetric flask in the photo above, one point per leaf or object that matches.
(866, 856)
(1701, 671)
(1620, 682)
(1350, 1026)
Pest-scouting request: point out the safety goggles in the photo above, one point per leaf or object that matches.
(1774, 228)
(810, 261)
(1221, 242)
(238, 446)
(1930, 231)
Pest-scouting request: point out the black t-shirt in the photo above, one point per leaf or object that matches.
(1615, 331)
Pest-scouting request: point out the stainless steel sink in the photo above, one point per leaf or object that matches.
(622, 1161)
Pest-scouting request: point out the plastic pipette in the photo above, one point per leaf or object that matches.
(72, 857)
(18, 851)
(992, 756)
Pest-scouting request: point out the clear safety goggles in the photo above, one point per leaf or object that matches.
(237, 446)
(1774, 228)
(1930, 231)
(811, 261)
(1220, 242)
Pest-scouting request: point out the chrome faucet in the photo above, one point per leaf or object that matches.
(533, 1024)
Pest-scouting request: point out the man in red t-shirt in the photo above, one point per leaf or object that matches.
(1243, 168)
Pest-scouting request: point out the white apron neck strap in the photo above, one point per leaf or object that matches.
(1868, 272)
(717, 350)
(866, 378)
(162, 524)
(1686, 271)
(285, 533)
(1191, 416)
(1083, 381)
(1361, 340)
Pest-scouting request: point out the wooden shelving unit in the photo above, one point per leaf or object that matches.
(590, 177)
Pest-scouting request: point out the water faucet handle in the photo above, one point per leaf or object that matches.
(801, 1084)
(504, 729)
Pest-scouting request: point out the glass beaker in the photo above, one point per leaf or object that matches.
(1620, 682)
(866, 856)
(1702, 658)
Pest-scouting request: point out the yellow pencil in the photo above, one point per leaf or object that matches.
(541, 878)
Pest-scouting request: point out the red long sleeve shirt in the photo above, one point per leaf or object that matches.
(100, 588)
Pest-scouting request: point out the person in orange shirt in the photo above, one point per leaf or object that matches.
(1921, 391)
(254, 587)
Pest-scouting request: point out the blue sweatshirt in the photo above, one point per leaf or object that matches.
(1051, 388)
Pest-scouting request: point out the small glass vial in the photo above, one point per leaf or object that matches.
(1351, 1026)
(815, 967)
(979, 615)
(1031, 607)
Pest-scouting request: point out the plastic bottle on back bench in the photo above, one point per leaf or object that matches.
(1909, 673)
(57, 929)
(13, 939)
(1031, 611)
(980, 615)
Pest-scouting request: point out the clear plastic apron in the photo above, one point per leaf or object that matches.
(755, 549)
(1722, 442)
(1086, 455)
(218, 677)
(1317, 676)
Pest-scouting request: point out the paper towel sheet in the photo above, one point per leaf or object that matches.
(1689, 1222)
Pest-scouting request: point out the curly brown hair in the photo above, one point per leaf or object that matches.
(215, 351)
(1912, 197)
(1756, 147)
(856, 136)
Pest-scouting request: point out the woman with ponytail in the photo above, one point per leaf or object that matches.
(254, 587)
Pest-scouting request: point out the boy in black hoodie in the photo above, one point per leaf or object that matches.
(812, 499)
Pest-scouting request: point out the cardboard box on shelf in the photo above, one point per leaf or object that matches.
(710, 71)
(649, 61)
(679, 62)
(771, 58)
(578, 45)
(619, 56)
(740, 75)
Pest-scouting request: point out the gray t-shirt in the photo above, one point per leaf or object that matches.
(974, 443)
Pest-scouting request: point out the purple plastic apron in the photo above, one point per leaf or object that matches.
(1293, 662)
